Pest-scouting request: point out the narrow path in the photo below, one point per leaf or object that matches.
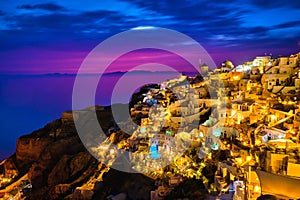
(14, 184)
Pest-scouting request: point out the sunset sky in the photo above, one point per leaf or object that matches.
(38, 37)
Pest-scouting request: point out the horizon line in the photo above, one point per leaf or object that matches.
(92, 74)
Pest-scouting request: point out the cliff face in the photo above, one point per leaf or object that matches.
(52, 156)
(29, 149)
(69, 167)
(59, 166)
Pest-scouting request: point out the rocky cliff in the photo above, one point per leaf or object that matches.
(59, 166)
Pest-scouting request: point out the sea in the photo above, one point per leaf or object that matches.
(29, 102)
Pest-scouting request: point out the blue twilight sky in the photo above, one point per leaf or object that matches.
(55, 36)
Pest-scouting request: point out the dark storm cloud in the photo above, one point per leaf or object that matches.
(65, 22)
(227, 21)
(45, 6)
(205, 16)
(47, 29)
(292, 24)
(269, 4)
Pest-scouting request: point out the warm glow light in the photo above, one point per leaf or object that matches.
(169, 115)
(239, 160)
(273, 117)
(249, 158)
(201, 134)
(112, 151)
(209, 156)
(257, 189)
(236, 78)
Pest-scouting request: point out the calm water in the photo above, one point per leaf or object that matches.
(28, 103)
